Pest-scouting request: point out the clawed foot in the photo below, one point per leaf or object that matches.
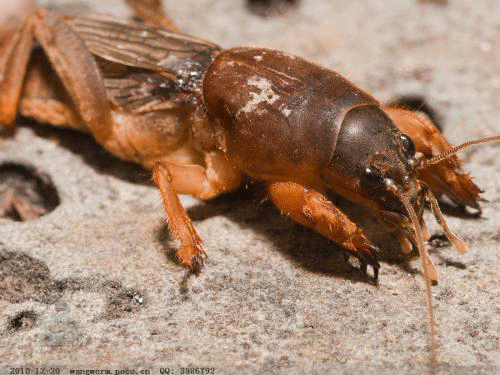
(192, 257)
(367, 255)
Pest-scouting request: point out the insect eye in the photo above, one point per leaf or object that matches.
(371, 179)
(408, 145)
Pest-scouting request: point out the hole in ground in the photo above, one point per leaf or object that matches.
(25, 192)
(24, 320)
(266, 8)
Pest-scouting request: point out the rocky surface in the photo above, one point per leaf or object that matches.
(95, 283)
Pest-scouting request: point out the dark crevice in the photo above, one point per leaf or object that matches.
(266, 8)
(22, 321)
(25, 192)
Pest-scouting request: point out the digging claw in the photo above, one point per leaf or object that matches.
(367, 255)
(364, 268)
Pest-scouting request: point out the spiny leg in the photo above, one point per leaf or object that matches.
(203, 183)
(445, 177)
(312, 209)
(191, 252)
(16, 50)
(418, 104)
(73, 64)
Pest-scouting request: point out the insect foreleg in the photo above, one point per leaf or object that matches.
(312, 209)
(445, 177)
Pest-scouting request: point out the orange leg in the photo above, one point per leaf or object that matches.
(312, 209)
(203, 183)
(71, 61)
(150, 11)
(446, 177)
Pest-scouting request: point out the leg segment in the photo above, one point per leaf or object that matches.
(72, 62)
(205, 183)
(17, 50)
(172, 179)
(445, 177)
(312, 209)
(191, 252)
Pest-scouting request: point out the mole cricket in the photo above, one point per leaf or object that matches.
(205, 119)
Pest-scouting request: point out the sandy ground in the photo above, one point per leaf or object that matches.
(95, 284)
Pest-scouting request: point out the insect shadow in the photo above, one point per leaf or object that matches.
(248, 208)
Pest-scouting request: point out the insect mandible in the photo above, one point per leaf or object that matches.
(205, 120)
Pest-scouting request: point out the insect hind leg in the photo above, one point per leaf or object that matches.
(150, 11)
(443, 178)
(71, 61)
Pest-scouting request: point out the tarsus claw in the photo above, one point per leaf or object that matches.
(197, 263)
(364, 267)
(367, 255)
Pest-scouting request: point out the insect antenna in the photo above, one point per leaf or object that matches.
(429, 271)
(422, 164)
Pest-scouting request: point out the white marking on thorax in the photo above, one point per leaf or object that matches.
(265, 95)
(285, 110)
